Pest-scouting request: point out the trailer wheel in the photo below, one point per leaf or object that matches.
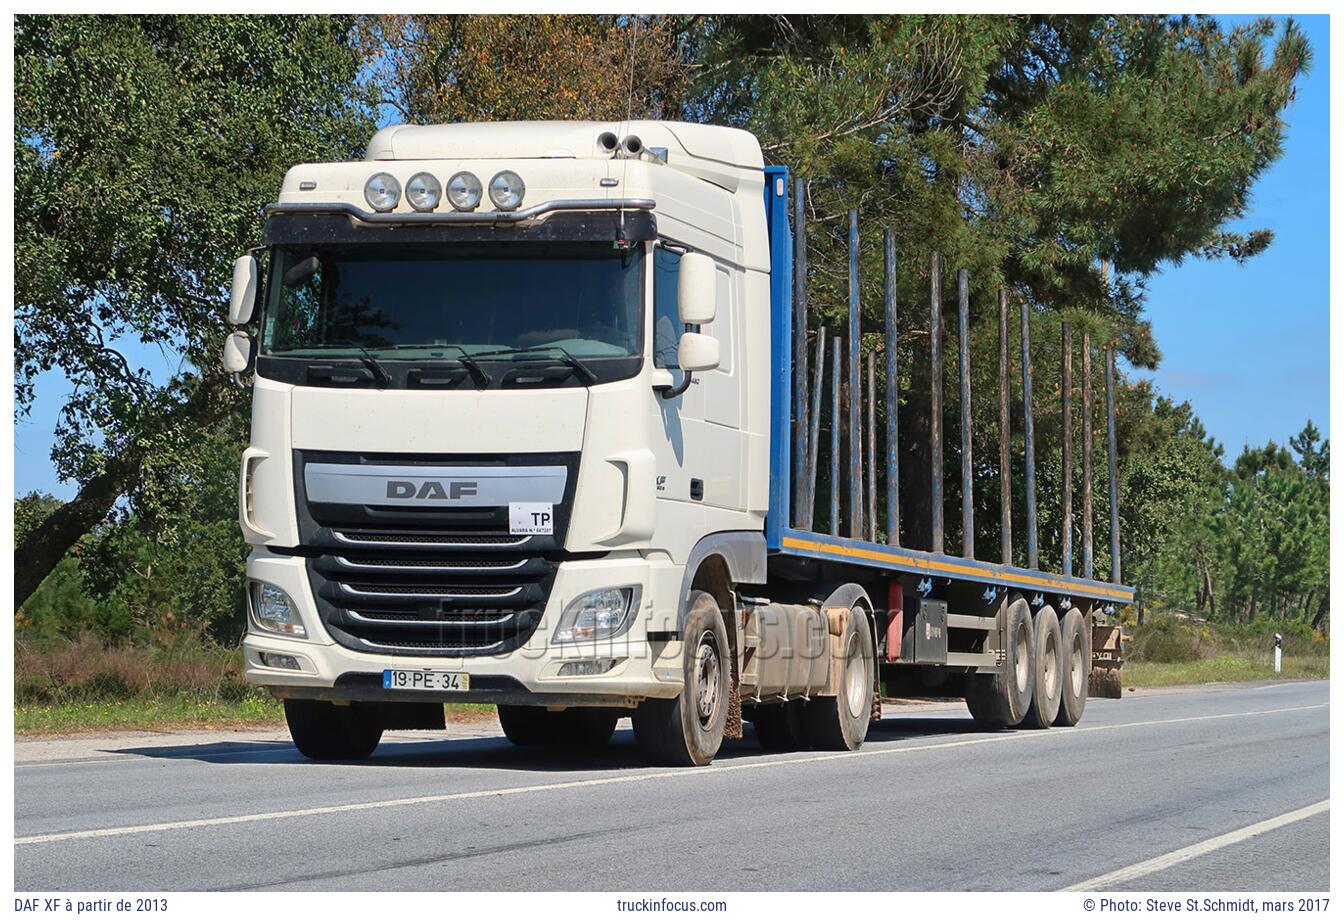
(687, 731)
(1001, 699)
(780, 727)
(325, 731)
(1049, 671)
(1076, 642)
(840, 722)
(536, 726)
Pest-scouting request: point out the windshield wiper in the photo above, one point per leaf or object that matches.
(584, 372)
(477, 372)
(379, 372)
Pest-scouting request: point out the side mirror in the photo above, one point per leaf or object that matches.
(237, 352)
(697, 289)
(697, 352)
(244, 294)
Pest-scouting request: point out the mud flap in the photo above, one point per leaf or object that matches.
(733, 726)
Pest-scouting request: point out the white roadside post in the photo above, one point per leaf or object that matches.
(1278, 653)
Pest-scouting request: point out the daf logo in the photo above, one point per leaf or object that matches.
(430, 489)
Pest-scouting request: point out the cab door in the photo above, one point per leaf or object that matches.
(725, 445)
(678, 429)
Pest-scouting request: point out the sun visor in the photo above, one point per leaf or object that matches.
(340, 227)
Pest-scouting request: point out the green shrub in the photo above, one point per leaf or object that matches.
(1166, 640)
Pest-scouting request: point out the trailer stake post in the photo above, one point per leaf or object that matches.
(1087, 454)
(1005, 439)
(964, 362)
(871, 432)
(1112, 462)
(1029, 435)
(800, 425)
(1066, 477)
(835, 436)
(936, 399)
(855, 391)
(893, 454)
(814, 419)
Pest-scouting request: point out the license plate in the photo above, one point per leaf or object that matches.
(438, 681)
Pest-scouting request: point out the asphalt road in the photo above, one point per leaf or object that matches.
(928, 804)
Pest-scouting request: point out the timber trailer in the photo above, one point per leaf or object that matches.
(533, 425)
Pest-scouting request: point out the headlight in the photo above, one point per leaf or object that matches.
(382, 191)
(423, 191)
(506, 190)
(464, 191)
(273, 611)
(597, 615)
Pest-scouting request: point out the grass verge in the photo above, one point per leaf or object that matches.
(184, 711)
(1220, 668)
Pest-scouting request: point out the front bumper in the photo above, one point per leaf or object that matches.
(529, 675)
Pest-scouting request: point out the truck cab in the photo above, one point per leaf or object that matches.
(508, 382)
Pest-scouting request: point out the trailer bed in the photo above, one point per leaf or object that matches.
(785, 539)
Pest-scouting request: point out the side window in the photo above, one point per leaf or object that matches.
(667, 326)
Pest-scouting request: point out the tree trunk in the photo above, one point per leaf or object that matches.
(46, 546)
(1322, 608)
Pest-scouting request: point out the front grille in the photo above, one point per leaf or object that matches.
(404, 538)
(457, 565)
(481, 607)
(428, 581)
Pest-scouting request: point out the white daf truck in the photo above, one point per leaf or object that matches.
(523, 414)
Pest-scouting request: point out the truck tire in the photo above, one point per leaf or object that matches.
(1001, 699)
(1076, 643)
(687, 731)
(536, 726)
(325, 731)
(1049, 671)
(779, 727)
(840, 722)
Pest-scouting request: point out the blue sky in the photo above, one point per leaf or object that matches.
(1248, 345)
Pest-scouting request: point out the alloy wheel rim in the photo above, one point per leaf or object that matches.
(1021, 669)
(707, 679)
(854, 676)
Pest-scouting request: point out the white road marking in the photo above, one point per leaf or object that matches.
(711, 770)
(1184, 854)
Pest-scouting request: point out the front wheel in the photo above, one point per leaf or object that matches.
(687, 731)
(325, 731)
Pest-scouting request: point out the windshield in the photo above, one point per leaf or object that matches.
(443, 301)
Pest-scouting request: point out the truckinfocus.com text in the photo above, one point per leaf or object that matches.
(660, 905)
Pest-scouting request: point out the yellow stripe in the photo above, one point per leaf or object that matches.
(934, 565)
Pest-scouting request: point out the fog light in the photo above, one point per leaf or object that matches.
(272, 660)
(423, 191)
(382, 191)
(464, 191)
(273, 611)
(506, 190)
(587, 668)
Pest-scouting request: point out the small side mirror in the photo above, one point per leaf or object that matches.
(244, 294)
(696, 289)
(697, 352)
(237, 352)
